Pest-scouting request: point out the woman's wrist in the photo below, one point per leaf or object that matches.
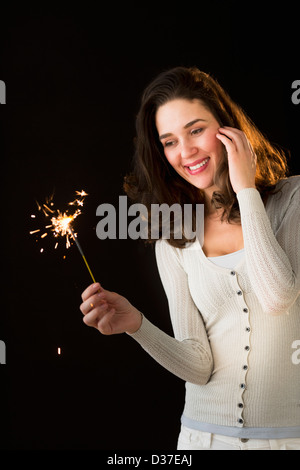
(246, 187)
(137, 325)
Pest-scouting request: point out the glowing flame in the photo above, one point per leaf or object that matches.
(60, 221)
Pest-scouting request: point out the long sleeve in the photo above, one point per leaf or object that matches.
(273, 259)
(188, 354)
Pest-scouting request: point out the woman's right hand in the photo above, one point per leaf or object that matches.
(109, 312)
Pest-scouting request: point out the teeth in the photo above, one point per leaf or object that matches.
(199, 165)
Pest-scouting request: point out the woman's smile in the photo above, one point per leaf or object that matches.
(198, 166)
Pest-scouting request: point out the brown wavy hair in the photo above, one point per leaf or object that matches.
(154, 181)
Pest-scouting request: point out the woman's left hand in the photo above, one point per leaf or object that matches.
(241, 158)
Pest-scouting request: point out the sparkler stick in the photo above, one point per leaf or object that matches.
(81, 252)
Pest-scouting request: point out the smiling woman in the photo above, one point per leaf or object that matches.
(194, 146)
(189, 94)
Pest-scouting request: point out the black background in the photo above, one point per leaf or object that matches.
(74, 75)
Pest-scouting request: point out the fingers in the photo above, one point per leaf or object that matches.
(89, 291)
(228, 143)
(92, 303)
(233, 134)
(97, 289)
(96, 309)
(234, 138)
(94, 315)
(235, 141)
(101, 319)
(241, 158)
(94, 296)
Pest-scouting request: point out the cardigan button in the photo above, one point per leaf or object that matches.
(239, 292)
(232, 273)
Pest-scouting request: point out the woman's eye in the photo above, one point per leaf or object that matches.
(169, 143)
(197, 131)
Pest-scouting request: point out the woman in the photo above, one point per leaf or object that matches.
(234, 301)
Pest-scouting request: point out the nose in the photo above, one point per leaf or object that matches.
(188, 150)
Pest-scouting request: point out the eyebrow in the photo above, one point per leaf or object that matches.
(189, 124)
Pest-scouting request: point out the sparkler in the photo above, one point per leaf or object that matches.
(61, 223)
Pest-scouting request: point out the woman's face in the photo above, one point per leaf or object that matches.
(187, 131)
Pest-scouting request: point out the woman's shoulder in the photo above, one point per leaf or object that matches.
(168, 257)
(163, 247)
(286, 189)
(280, 201)
(291, 182)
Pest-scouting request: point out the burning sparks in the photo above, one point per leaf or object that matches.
(60, 221)
(61, 224)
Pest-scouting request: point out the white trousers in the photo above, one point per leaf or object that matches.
(191, 439)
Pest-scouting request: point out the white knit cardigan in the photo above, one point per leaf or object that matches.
(235, 330)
